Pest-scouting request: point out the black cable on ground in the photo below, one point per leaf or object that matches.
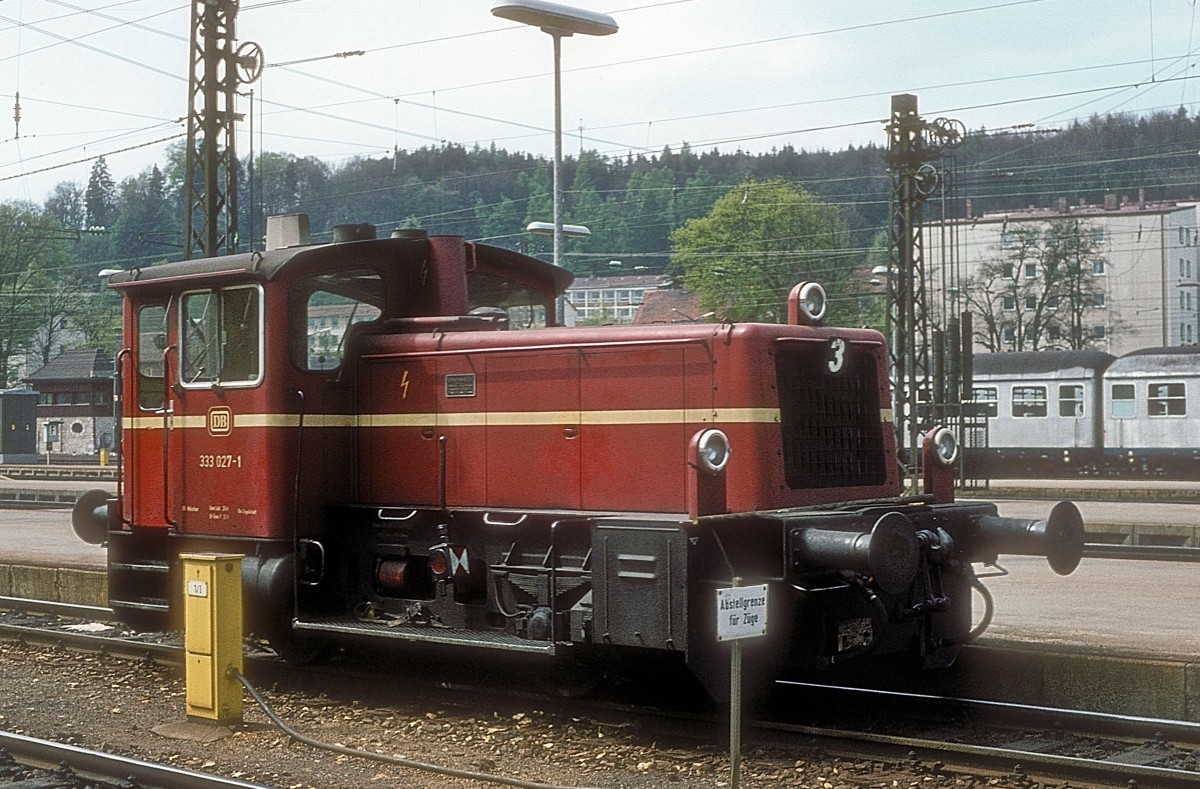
(380, 757)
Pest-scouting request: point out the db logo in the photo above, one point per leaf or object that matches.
(220, 420)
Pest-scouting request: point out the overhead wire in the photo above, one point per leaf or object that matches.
(729, 140)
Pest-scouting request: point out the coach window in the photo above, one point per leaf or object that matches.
(222, 337)
(1028, 401)
(1124, 406)
(985, 398)
(1070, 400)
(325, 307)
(1166, 399)
(151, 339)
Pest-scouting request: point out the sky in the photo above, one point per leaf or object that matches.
(110, 78)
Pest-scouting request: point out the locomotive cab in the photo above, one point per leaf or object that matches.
(398, 464)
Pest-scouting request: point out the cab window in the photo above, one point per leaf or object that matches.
(151, 340)
(325, 307)
(524, 307)
(221, 337)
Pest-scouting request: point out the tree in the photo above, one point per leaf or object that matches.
(500, 224)
(145, 229)
(100, 199)
(583, 205)
(1069, 265)
(697, 196)
(647, 216)
(96, 319)
(1037, 289)
(33, 254)
(1005, 297)
(758, 241)
(862, 302)
(65, 204)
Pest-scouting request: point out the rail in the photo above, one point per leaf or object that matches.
(119, 770)
(73, 610)
(1091, 747)
(1153, 553)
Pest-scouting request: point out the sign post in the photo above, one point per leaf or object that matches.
(741, 614)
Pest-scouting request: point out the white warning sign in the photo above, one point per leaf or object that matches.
(741, 612)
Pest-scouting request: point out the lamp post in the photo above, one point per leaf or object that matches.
(559, 21)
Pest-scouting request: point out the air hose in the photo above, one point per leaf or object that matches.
(384, 758)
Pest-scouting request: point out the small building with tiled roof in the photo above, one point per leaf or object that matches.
(75, 413)
(671, 305)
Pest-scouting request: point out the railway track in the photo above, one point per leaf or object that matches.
(891, 734)
(49, 622)
(1026, 744)
(1154, 553)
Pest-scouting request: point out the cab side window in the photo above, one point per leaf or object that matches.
(325, 307)
(151, 340)
(221, 337)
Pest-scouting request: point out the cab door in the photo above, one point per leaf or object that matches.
(223, 434)
(145, 414)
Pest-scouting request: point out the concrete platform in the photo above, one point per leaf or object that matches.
(40, 557)
(1023, 672)
(1115, 636)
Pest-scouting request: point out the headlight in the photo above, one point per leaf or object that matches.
(945, 446)
(812, 301)
(713, 450)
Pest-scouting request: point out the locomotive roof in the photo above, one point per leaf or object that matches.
(268, 264)
(1043, 362)
(263, 264)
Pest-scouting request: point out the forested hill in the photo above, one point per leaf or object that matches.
(632, 203)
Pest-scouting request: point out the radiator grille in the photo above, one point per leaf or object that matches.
(832, 433)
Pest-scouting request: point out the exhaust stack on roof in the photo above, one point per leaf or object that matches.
(287, 230)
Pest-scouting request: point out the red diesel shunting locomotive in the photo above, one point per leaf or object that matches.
(405, 446)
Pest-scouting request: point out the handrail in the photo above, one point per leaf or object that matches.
(123, 357)
(168, 414)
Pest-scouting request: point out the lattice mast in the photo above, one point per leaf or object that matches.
(211, 169)
(919, 353)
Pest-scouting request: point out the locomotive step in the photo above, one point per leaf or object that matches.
(141, 604)
(350, 625)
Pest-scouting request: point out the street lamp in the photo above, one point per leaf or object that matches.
(558, 21)
(568, 231)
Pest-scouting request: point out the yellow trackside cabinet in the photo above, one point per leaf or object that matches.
(212, 640)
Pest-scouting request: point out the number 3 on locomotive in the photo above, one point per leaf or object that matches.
(837, 351)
